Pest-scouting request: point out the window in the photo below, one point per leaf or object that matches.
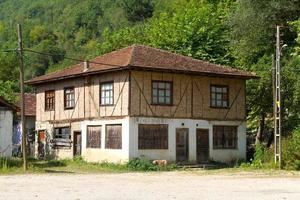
(219, 96)
(161, 92)
(113, 137)
(153, 136)
(225, 137)
(107, 94)
(93, 137)
(49, 100)
(62, 133)
(69, 98)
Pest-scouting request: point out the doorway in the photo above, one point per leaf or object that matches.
(182, 144)
(202, 138)
(77, 143)
(41, 144)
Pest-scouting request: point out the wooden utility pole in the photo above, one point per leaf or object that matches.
(277, 109)
(23, 120)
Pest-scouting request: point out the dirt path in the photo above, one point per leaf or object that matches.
(167, 185)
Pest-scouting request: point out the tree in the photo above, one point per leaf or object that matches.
(193, 28)
(138, 10)
(253, 37)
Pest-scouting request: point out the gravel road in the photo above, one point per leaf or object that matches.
(165, 185)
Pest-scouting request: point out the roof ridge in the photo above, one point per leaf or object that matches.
(189, 57)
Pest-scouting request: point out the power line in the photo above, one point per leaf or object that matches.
(62, 55)
(69, 58)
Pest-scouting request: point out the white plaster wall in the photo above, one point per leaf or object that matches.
(61, 153)
(102, 154)
(227, 155)
(224, 155)
(6, 130)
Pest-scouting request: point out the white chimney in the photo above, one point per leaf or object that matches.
(86, 65)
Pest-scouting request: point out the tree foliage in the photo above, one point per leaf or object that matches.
(138, 10)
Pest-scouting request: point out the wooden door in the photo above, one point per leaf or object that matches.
(202, 145)
(182, 144)
(77, 143)
(41, 144)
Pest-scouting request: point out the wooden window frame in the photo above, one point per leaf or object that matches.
(171, 93)
(65, 98)
(60, 128)
(47, 106)
(224, 144)
(108, 145)
(88, 144)
(100, 89)
(227, 97)
(163, 142)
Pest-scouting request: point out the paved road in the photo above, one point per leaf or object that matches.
(167, 185)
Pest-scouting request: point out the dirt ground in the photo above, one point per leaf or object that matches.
(164, 185)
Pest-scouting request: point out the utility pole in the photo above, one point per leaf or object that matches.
(23, 122)
(277, 109)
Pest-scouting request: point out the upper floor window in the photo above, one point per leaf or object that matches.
(219, 97)
(225, 137)
(162, 92)
(107, 94)
(49, 100)
(69, 98)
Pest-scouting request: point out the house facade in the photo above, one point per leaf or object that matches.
(142, 102)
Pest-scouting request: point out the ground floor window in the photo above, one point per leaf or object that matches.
(61, 137)
(62, 133)
(153, 136)
(93, 137)
(113, 136)
(225, 137)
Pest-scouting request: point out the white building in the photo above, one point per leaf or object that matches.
(6, 127)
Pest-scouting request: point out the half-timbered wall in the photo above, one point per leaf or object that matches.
(191, 97)
(87, 102)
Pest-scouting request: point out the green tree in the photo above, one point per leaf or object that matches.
(138, 10)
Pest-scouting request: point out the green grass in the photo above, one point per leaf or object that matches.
(77, 165)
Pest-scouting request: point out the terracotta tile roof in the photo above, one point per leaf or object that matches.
(144, 57)
(30, 104)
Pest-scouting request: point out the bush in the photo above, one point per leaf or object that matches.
(138, 164)
(263, 158)
(291, 151)
(141, 165)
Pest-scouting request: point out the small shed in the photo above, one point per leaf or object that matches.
(6, 127)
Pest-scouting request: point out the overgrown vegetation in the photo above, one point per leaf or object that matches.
(78, 165)
(264, 157)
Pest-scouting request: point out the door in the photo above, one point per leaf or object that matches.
(202, 145)
(182, 144)
(41, 144)
(77, 143)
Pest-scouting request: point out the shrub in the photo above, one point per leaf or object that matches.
(291, 151)
(139, 164)
(258, 158)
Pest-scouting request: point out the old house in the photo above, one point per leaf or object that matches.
(30, 113)
(142, 102)
(6, 127)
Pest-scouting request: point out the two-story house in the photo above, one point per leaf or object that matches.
(142, 102)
